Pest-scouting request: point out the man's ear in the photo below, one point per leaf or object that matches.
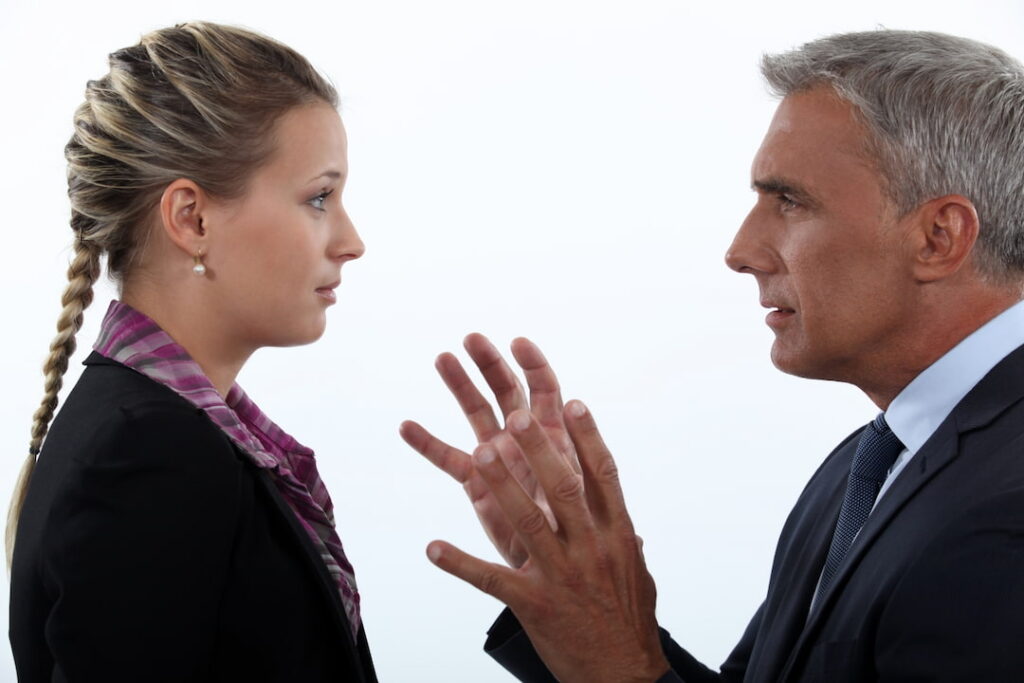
(181, 215)
(943, 234)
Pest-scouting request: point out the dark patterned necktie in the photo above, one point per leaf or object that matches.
(876, 452)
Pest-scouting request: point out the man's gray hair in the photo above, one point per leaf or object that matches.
(945, 115)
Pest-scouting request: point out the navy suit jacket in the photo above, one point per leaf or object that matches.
(150, 549)
(932, 588)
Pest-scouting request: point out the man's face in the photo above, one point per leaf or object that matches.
(824, 243)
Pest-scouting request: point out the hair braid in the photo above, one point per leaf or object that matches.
(82, 274)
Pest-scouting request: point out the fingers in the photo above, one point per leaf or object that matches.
(600, 474)
(451, 460)
(562, 486)
(493, 579)
(526, 518)
(476, 408)
(498, 375)
(545, 394)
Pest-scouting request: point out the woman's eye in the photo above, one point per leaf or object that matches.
(318, 201)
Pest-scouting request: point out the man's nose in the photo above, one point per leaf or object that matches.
(749, 251)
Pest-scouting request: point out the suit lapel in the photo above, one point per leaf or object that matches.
(1001, 388)
(935, 455)
(798, 562)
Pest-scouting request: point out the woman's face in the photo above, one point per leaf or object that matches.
(274, 256)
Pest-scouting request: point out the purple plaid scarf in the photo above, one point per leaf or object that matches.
(134, 340)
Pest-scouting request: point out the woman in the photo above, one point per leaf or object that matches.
(168, 530)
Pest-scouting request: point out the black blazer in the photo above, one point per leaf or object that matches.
(932, 588)
(150, 549)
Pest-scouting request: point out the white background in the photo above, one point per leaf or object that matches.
(569, 171)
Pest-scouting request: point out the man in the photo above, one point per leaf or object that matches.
(888, 241)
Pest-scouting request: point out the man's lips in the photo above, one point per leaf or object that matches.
(779, 313)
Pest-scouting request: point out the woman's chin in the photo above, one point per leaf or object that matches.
(298, 335)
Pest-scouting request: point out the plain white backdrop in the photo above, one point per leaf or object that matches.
(568, 171)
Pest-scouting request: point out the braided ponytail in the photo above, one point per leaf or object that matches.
(193, 101)
(82, 274)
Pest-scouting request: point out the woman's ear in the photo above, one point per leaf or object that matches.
(944, 233)
(181, 215)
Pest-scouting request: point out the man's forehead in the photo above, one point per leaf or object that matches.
(810, 131)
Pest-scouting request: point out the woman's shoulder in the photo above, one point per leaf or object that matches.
(106, 381)
(117, 414)
(125, 451)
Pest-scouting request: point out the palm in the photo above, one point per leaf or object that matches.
(544, 402)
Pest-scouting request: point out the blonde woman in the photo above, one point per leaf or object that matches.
(166, 529)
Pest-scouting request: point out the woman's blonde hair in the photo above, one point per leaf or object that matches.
(196, 101)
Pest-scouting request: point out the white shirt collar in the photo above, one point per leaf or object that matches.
(920, 408)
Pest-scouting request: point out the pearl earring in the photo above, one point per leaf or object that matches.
(199, 268)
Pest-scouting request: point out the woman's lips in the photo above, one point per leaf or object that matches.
(327, 292)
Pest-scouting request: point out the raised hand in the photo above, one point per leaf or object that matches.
(584, 595)
(545, 403)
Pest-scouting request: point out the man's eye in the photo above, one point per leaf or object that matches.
(787, 203)
(318, 201)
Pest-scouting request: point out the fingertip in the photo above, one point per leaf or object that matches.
(409, 430)
(435, 550)
(485, 455)
(521, 341)
(519, 420)
(474, 338)
(525, 351)
(576, 409)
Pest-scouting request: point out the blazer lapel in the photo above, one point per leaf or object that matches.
(1002, 387)
(798, 562)
(940, 449)
(327, 585)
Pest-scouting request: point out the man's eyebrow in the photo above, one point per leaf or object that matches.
(779, 186)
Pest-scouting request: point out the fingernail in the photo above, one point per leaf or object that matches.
(486, 455)
(519, 422)
(577, 409)
(434, 553)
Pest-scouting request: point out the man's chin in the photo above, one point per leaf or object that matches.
(791, 362)
(803, 364)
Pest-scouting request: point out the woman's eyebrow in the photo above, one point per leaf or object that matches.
(332, 174)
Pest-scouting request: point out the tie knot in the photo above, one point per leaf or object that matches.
(876, 451)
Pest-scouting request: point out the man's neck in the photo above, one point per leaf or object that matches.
(934, 337)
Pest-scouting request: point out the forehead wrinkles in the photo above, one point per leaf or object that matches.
(813, 133)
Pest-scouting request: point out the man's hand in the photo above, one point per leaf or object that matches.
(545, 402)
(584, 595)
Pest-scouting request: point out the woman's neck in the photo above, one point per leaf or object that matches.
(205, 340)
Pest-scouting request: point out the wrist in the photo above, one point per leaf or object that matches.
(657, 670)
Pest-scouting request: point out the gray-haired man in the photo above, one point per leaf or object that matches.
(887, 240)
